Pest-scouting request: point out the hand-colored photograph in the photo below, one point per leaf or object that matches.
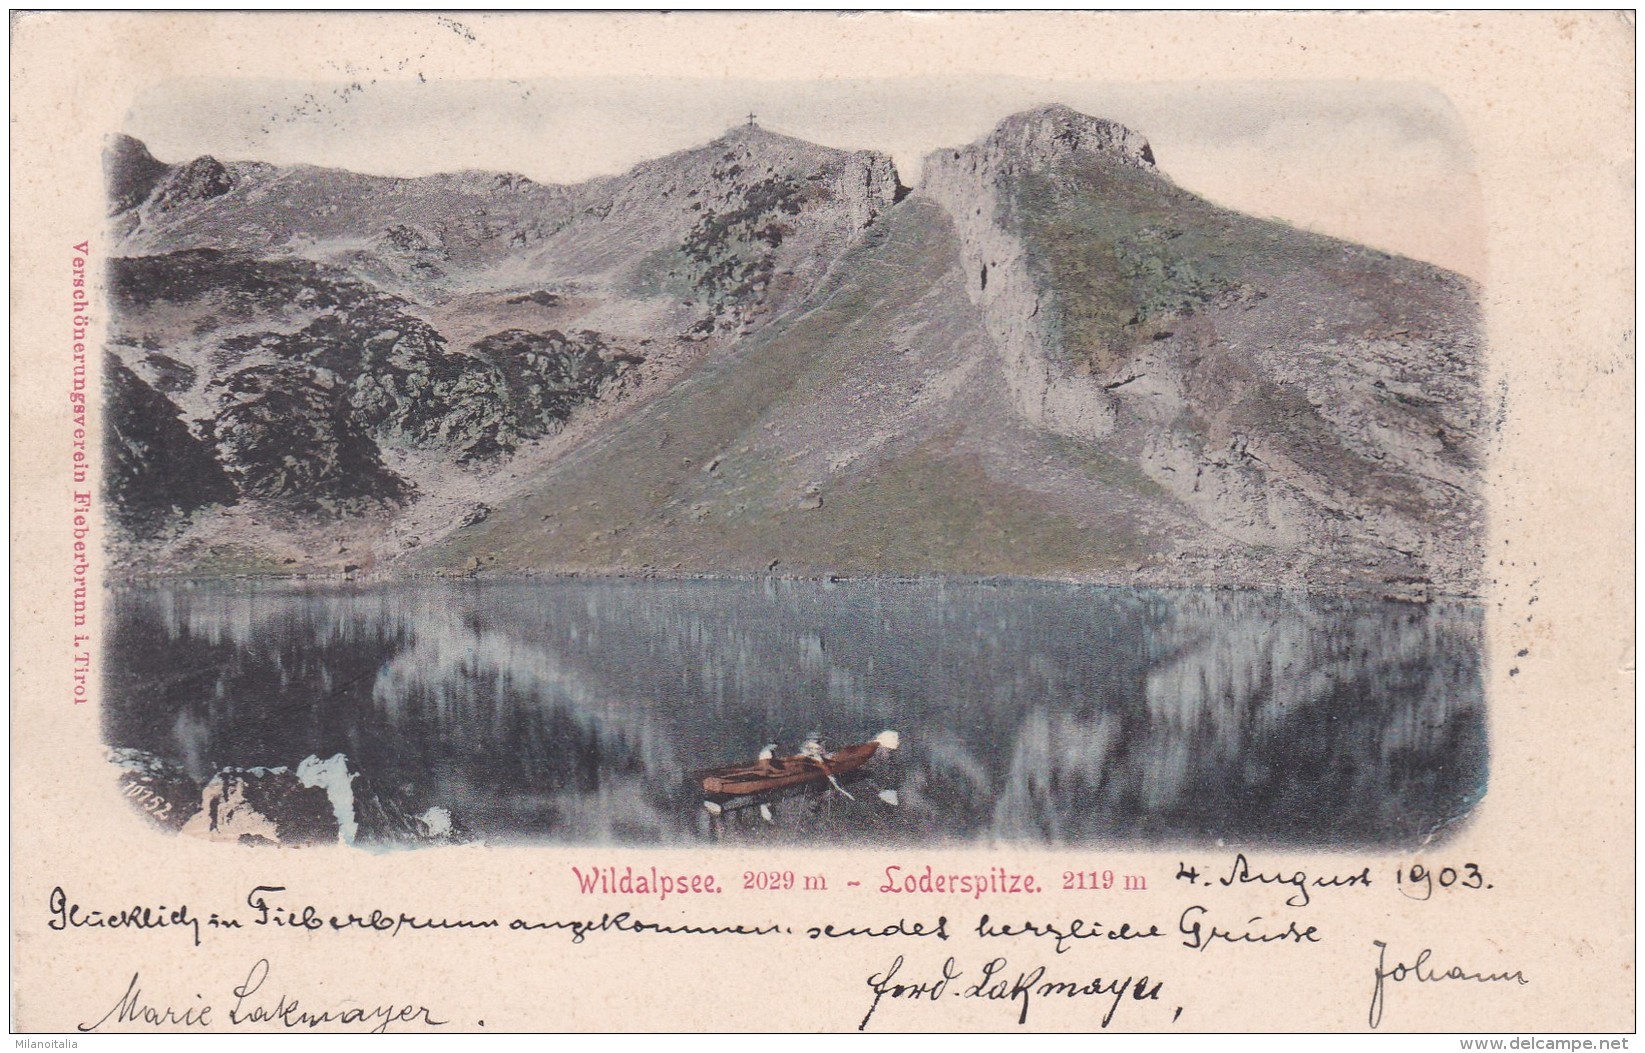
(866, 463)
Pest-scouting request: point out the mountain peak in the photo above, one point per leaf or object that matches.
(122, 145)
(745, 130)
(758, 136)
(1033, 139)
(131, 171)
(1056, 129)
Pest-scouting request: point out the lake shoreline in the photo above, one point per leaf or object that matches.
(1417, 594)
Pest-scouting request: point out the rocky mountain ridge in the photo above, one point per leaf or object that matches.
(763, 354)
(1292, 390)
(967, 183)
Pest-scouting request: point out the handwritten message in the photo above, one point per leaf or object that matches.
(1002, 951)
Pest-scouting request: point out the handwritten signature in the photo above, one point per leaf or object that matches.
(995, 984)
(252, 1006)
(1421, 972)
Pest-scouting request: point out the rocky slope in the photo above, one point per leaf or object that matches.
(361, 354)
(764, 355)
(1294, 393)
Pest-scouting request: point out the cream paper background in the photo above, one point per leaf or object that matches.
(1547, 100)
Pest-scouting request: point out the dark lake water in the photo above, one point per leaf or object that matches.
(574, 711)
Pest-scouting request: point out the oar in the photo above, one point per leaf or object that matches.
(716, 808)
(888, 740)
(836, 784)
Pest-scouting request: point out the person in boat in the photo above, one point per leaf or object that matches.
(815, 750)
(767, 762)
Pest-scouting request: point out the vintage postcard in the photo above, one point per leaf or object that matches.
(820, 522)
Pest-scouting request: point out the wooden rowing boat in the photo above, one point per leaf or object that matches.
(781, 773)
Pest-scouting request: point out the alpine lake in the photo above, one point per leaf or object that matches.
(575, 710)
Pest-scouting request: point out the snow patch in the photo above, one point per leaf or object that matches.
(332, 776)
(436, 821)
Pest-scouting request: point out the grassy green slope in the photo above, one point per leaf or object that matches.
(720, 473)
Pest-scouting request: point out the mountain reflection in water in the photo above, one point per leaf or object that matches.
(573, 711)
